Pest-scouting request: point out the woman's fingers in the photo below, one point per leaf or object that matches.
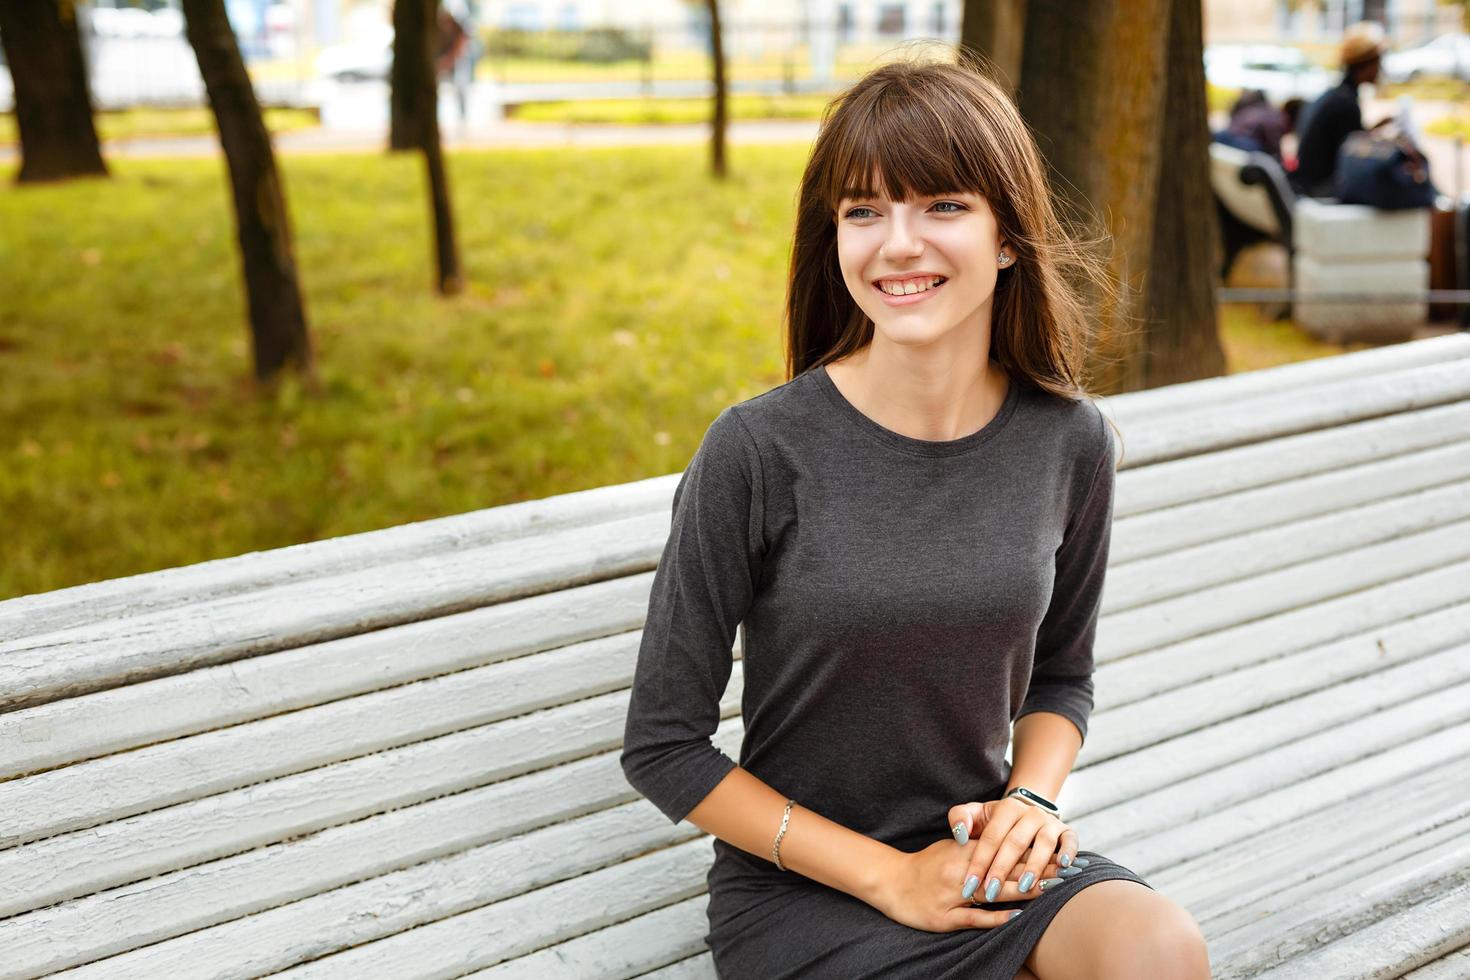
(964, 819)
(1011, 828)
(1067, 848)
(965, 917)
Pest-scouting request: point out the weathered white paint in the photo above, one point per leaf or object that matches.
(188, 585)
(95, 656)
(396, 754)
(1197, 478)
(1231, 389)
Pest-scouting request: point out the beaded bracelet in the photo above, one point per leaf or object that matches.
(776, 847)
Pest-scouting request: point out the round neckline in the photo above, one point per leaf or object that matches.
(910, 444)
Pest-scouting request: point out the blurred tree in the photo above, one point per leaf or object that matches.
(415, 122)
(1183, 339)
(53, 105)
(1114, 90)
(717, 50)
(720, 109)
(996, 29)
(277, 316)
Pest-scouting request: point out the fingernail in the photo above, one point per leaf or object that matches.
(1069, 872)
(992, 889)
(1050, 883)
(1013, 915)
(1082, 862)
(971, 883)
(961, 834)
(1066, 861)
(1026, 881)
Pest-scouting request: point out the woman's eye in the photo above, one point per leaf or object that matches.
(954, 204)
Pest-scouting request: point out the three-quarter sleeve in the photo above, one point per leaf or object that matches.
(705, 581)
(1061, 676)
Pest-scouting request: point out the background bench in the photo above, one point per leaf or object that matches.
(395, 754)
(1253, 200)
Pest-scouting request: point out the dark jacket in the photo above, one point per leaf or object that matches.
(1328, 121)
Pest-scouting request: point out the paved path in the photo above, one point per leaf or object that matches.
(505, 134)
(1442, 153)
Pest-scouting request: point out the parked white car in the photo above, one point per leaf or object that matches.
(1447, 56)
(1278, 70)
(370, 57)
(136, 22)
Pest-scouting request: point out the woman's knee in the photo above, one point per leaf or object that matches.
(1159, 940)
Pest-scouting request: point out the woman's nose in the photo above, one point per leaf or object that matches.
(901, 239)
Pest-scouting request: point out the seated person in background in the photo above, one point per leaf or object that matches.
(1255, 124)
(1335, 114)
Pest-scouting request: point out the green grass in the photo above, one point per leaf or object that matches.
(630, 111)
(139, 123)
(618, 299)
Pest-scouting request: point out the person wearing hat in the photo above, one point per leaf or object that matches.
(1328, 121)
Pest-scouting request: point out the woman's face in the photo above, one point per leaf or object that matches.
(949, 235)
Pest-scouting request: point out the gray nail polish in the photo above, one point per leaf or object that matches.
(1050, 883)
(1069, 872)
(961, 834)
(1026, 881)
(1082, 862)
(1066, 861)
(992, 889)
(971, 883)
(1013, 915)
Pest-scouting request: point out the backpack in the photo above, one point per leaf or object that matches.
(1383, 169)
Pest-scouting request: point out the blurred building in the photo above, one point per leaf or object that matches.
(1408, 22)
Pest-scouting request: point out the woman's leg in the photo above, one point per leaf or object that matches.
(1120, 929)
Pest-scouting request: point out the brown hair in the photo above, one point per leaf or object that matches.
(919, 128)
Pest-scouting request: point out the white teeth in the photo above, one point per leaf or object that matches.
(912, 286)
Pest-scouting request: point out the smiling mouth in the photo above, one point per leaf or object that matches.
(937, 282)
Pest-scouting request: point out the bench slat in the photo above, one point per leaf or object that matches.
(1453, 966)
(1208, 429)
(97, 656)
(1339, 491)
(623, 950)
(1227, 881)
(94, 725)
(1337, 671)
(1228, 390)
(1195, 568)
(1141, 675)
(1240, 801)
(172, 588)
(1431, 917)
(443, 907)
(1279, 460)
(1182, 617)
(702, 967)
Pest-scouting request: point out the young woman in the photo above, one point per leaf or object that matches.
(914, 531)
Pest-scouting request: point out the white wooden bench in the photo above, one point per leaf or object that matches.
(395, 754)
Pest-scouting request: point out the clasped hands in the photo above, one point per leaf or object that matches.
(1002, 851)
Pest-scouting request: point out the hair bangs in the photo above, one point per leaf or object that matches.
(889, 151)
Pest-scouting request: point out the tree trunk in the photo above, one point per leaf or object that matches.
(717, 48)
(415, 74)
(406, 107)
(53, 106)
(1092, 86)
(277, 317)
(1183, 331)
(997, 30)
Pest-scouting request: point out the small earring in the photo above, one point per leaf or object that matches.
(1004, 258)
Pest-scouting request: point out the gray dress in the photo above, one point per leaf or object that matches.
(904, 601)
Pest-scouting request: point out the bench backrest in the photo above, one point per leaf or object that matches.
(397, 751)
(1250, 202)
